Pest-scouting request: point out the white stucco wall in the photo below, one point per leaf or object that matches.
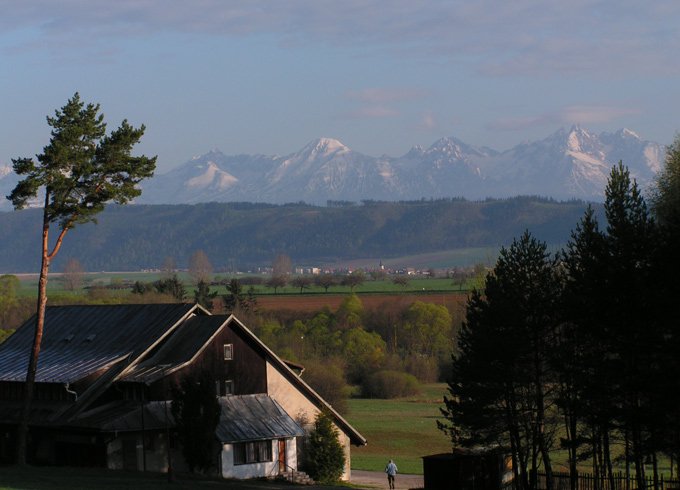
(297, 404)
(255, 470)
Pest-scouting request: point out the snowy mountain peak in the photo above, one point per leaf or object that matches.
(212, 176)
(415, 152)
(580, 140)
(211, 153)
(570, 163)
(324, 147)
(627, 133)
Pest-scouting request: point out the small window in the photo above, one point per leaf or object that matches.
(264, 451)
(228, 352)
(239, 453)
(252, 452)
(217, 388)
(150, 444)
(229, 387)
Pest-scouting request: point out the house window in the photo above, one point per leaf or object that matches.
(150, 444)
(217, 388)
(252, 452)
(229, 387)
(228, 352)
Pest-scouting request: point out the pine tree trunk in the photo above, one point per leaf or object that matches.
(22, 431)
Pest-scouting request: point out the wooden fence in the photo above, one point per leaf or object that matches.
(619, 481)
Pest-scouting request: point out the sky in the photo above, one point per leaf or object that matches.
(270, 76)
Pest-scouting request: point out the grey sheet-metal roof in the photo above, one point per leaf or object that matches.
(253, 418)
(243, 418)
(185, 343)
(80, 340)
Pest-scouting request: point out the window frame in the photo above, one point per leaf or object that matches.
(228, 387)
(228, 352)
(253, 452)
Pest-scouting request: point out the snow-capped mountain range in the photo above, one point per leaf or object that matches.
(567, 164)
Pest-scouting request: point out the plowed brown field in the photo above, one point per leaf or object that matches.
(316, 303)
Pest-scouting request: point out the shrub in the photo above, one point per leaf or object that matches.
(325, 461)
(390, 384)
(426, 369)
(327, 380)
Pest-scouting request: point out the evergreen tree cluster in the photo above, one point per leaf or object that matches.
(577, 351)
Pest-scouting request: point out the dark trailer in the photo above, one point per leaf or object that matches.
(463, 469)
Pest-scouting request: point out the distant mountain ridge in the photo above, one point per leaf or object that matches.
(569, 164)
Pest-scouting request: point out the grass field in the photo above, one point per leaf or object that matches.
(416, 285)
(403, 430)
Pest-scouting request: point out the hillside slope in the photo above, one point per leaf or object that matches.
(243, 234)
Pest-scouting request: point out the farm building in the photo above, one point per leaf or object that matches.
(103, 382)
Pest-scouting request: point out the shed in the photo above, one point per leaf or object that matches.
(467, 469)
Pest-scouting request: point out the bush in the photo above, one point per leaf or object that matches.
(327, 380)
(325, 461)
(426, 369)
(390, 384)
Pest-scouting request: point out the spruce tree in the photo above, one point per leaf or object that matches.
(613, 309)
(325, 455)
(203, 296)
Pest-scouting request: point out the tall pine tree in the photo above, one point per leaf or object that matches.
(80, 170)
(501, 392)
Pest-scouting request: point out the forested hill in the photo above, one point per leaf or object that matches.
(244, 234)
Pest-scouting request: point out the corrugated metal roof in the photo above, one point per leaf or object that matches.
(243, 418)
(253, 418)
(79, 340)
(185, 343)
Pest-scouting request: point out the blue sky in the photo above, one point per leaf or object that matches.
(255, 76)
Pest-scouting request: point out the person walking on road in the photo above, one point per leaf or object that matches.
(391, 470)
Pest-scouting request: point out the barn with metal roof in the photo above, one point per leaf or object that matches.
(103, 389)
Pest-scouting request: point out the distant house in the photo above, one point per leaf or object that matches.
(101, 393)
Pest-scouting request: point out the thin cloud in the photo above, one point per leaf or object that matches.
(428, 121)
(370, 113)
(567, 115)
(597, 38)
(378, 102)
(386, 95)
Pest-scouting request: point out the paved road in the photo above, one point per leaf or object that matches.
(378, 479)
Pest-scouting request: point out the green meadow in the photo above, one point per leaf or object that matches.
(403, 430)
(416, 284)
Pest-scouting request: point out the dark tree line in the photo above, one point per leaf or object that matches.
(138, 237)
(578, 351)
